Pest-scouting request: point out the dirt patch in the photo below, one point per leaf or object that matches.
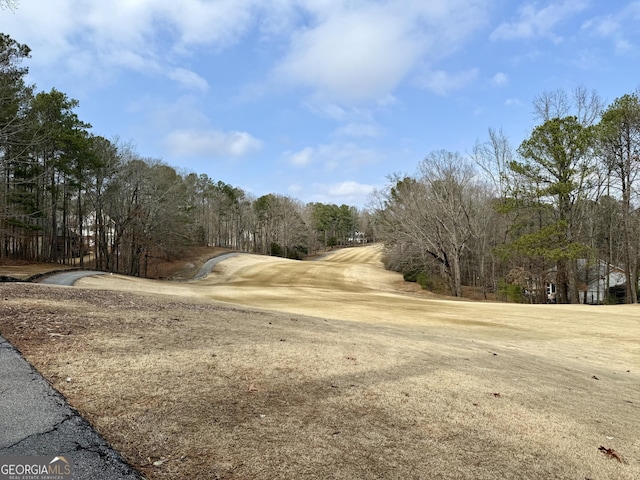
(379, 384)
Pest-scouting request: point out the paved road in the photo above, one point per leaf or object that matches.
(69, 278)
(212, 262)
(36, 420)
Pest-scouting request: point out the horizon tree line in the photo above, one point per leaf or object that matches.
(505, 220)
(513, 221)
(69, 196)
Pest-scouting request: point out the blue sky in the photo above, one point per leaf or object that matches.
(320, 99)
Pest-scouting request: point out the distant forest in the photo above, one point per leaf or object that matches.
(69, 196)
(543, 221)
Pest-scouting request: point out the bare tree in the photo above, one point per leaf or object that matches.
(432, 217)
(585, 105)
(619, 134)
(494, 156)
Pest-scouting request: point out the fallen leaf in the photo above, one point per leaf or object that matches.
(611, 453)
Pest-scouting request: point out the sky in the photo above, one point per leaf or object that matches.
(320, 100)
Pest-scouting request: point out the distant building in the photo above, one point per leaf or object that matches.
(595, 281)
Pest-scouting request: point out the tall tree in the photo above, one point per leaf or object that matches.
(100, 175)
(494, 157)
(557, 162)
(432, 217)
(279, 227)
(58, 150)
(619, 133)
(16, 202)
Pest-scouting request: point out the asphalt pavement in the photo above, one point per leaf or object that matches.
(69, 278)
(36, 420)
(212, 262)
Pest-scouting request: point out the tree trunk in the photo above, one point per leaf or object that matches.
(562, 287)
(572, 281)
(631, 293)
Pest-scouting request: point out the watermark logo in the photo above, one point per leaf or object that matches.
(36, 468)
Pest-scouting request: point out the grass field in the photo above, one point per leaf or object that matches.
(271, 368)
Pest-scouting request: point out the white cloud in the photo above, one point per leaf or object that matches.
(352, 56)
(443, 83)
(341, 50)
(605, 26)
(220, 23)
(295, 188)
(331, 111)
(387, 101)
(350, 115)
(346, 156)
(349, 188)
(211, 143)
(616, 26)
(513, 102)
(535, 21)
(301, 158)
(622, 45)
(347, 192)
(500, 79)
(142, 35)
(358, 130)
(361, 51)
(188, 79)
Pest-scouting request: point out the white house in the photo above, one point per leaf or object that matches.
(594, 279)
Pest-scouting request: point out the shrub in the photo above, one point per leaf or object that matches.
(275, 250)
(411, 275)
(425, 281)
(510, 292)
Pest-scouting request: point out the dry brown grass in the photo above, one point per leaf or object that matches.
(379, 383)
(24, 271)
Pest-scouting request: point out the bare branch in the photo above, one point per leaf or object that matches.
(584, 104)
(9, 5)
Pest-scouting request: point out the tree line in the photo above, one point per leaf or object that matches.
(559, 211)
(72, 197)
